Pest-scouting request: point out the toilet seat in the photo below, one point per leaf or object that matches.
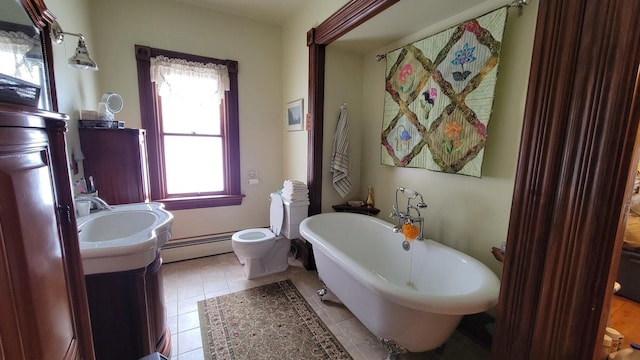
(276, 217)
(253, 235)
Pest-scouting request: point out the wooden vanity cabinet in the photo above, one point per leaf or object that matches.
(128, 313)
(117, 160)
(43, 302)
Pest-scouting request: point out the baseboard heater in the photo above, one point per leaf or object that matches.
(191, 248)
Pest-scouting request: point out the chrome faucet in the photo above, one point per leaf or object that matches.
(403, 217)
(97, 204)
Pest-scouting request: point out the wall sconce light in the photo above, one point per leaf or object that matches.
(80, 59)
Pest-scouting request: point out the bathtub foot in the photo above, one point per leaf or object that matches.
(322, 292)
(392, 348)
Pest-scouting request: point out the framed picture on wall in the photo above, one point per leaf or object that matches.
(295, 111)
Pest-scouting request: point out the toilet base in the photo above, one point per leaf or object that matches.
(277, 260)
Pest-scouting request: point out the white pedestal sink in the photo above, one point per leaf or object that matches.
(124, 238)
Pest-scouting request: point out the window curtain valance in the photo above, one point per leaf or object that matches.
(164, 70)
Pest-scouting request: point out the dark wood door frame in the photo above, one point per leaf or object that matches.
(574, 174)
(354, 13)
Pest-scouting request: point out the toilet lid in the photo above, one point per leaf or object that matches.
(276, 213)
(253, 235)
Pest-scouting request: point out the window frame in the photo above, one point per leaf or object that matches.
(150, 122)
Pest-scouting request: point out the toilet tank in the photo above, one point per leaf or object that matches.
(294, 213)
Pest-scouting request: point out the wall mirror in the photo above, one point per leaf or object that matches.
(25, 56)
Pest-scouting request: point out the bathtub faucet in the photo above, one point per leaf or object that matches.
(403, 217)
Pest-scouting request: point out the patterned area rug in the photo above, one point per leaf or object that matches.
(272, 321)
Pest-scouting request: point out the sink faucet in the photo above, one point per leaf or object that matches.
(406, 216)
(97, 204)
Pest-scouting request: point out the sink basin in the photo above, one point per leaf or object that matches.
(124, 238)
(116, 225)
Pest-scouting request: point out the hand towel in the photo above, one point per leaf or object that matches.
(340, 157)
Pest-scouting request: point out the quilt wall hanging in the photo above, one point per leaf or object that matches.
(439, 96)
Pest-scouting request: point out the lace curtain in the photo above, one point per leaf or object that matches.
(167, 72)
(14, 47)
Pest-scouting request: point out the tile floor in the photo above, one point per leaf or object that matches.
(187, 282)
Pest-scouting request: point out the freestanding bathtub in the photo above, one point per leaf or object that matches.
(415, 298)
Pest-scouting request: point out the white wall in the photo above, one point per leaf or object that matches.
(118, 25)
(470, 214)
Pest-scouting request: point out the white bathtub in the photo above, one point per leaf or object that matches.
(361, 260)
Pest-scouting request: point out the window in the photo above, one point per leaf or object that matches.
(189, 107)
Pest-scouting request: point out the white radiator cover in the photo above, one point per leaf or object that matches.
(185, 249)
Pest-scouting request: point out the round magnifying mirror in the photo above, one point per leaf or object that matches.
(110, 104)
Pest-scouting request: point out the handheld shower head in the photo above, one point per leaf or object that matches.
(409, 193)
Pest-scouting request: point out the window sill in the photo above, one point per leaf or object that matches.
(199, 202)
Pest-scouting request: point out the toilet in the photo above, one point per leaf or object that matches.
(264, 251)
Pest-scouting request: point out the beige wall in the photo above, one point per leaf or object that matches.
(117, 25)
(470, 214)
(295, 79)
(467, 213)
(343, 81)
(262, 50)
(76, 89)
(172, 25)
